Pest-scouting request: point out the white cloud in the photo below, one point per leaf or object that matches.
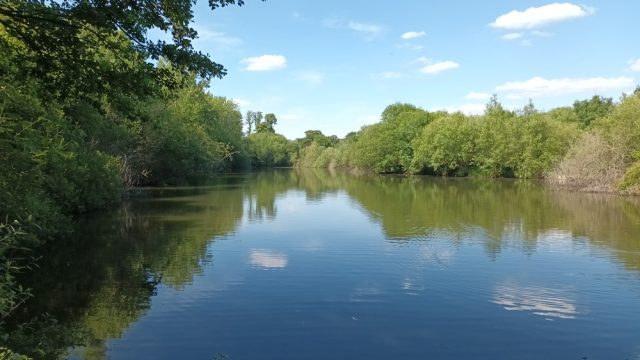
(539, 16)
(478, 96)
(512, 36)
(413, 35)
(539, 86)
(513, 97)
(265, 63)
(364, 28)
(526, 42)
(310, 77)
(218, 38)
(439, 67)
(388, 75)
(634, 65)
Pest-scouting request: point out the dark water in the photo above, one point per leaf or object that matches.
(310, 265)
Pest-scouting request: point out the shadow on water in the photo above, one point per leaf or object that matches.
(100, 281)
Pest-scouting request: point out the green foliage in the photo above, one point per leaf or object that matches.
(269, 149)
(192, 136)
(606, 158)
(622, 127)
(587, 111)
(523, 144)
(56, 32)
(311, 136)
(542, 143)
(6, 354)
(631, 177)
(13, 238)
(386, 147)
(445, 146)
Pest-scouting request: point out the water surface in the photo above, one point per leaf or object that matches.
(312, 265)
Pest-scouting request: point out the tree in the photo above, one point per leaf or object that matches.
(267, 124)
(445, 146)
(253, 119)
(55, 33)
(595, 108)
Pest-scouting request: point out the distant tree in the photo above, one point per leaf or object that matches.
(529, 109)
(252, 119)
(316, 136)
(392, 111)
(267, 124)
(495, 109)
(588, 111)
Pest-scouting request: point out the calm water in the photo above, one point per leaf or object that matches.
(310, 265)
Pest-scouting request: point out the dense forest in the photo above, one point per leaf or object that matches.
(90, 107)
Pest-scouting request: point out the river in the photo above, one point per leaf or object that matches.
(290, 264)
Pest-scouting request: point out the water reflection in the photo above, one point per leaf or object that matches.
(546, 302)
(268, 259)
(104, 278)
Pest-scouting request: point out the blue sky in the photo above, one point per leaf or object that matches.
(335, 65)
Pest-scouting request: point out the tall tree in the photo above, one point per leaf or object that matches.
(56, 32)
(267, 125)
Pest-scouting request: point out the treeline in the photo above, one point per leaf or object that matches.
(88, 109)
(593, 145)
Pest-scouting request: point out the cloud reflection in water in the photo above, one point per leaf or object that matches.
(268, 259)
(546, 302)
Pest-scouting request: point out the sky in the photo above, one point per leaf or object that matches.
(334, 65)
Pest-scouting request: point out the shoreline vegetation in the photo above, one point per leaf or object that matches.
(592, 146)
(90, 107)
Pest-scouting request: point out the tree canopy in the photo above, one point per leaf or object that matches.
(57, 33)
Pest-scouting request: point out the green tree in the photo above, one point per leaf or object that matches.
(55, 31)
(267, 124)
(385, 147)
(446, 146)
(590, 110)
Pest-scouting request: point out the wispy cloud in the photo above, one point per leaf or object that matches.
(388, 75)
(478, 96)
(242, 102)
(407, 45)
(539, 33)
(413, 35)
(364, 28)
(539, 86)
(534, 17)
(217, 37)
(512, 36)
(265, 63)
(439, 67)
(310, 77)
(368, 30)
(634, 65)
